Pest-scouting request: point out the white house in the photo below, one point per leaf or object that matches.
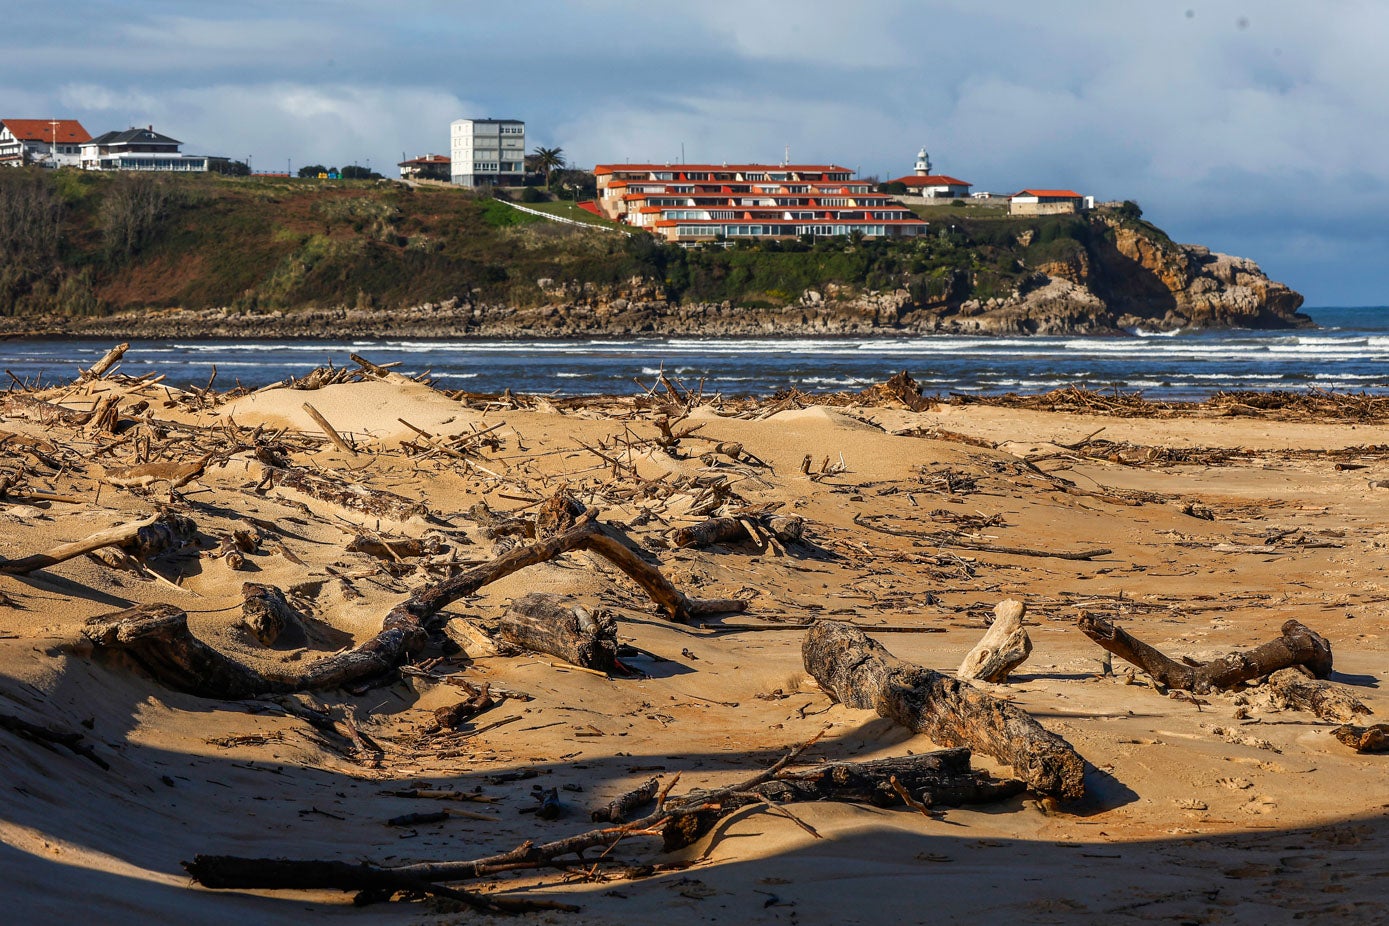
(139, 149)
(487, 152)
(1047, 202)
(425, 167)
(45, 142)
(921, 182)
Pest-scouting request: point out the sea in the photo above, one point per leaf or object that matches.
(1348, 352)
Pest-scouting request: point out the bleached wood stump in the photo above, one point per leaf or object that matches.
(1002, 649)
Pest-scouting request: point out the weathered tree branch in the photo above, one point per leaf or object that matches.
(1298, 645)
(934, 778)
(157, 635)
(143, 538)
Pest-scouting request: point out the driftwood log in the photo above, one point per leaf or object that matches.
(352, 496)
(860, 672)
(102, 366)
(932, 778)
(1298, 645)
(453, 716)
(329, 430)
(786, 528)
(1293, 689)
(268, 614)
(1003, 648)
(1364, 739)
(550, 624)
(157, 637)
(23, 405)
(144, 475)
(621, 808)
(49, 738)
(143, 539)
(940, 778)
(393, 549)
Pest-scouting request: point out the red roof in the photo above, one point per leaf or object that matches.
(69, 131)
(602, 169)
(426, 160)
(930, 180)
(1050, 194)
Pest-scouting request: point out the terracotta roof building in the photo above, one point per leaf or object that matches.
(45, 142)
(1047, 202)
(922, 182)
(935, 186)
(688, 203)
(426, 167)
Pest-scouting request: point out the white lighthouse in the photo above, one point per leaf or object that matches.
(923, 163)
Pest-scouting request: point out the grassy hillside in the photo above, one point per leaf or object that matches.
(87, 243)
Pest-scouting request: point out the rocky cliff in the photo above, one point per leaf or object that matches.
(283, 259)
(1127, 277)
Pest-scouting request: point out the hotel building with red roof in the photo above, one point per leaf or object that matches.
(690, 203)
(46, 142)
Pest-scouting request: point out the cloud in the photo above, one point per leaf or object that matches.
(277, 122)
(1241, 125)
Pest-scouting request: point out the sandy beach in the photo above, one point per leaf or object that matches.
(1218, 524)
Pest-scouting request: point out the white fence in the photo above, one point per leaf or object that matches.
(561, 219)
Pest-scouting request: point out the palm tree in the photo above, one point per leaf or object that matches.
(548, 159)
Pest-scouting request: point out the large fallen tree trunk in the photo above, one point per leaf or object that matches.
(1298, 645)
(931, 778)
(860, 672)
(157, 635)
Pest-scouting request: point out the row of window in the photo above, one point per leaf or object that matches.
(777, 231)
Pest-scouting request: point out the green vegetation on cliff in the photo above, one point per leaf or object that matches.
(76, 243)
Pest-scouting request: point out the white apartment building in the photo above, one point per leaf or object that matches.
(486, 152)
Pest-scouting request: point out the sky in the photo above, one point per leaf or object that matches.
(1258, 128)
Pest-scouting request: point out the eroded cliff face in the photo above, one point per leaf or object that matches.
(1127, 276)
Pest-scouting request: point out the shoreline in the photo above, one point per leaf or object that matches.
(872, 318)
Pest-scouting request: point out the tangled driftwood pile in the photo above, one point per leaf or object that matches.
(122, 439)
